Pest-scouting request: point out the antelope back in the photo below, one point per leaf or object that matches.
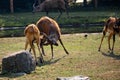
(31, 29)
(48, 26)
(110, 24)
(32, 32)
(48, 4)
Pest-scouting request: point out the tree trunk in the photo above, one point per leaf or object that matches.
(11, 6)
(84, 3)
(96, 3)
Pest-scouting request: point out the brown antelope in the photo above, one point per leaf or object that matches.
(47, 5)
(52, 31)
(112, 26)
(32, 34)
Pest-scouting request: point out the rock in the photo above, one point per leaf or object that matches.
(73, 78)
(18, 74)
(21, 61)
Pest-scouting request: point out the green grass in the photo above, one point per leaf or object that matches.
(22, 19)
(84, 58)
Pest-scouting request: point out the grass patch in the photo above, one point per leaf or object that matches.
(84, 59)
(22, 19)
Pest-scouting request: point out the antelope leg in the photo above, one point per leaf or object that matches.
(63, 46)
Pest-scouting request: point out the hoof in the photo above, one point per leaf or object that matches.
(41, 60)
(44, 54)
(36, 63)
(52, 58)
(67, 52)
(99, 50)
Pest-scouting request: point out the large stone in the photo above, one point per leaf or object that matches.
(21, 61)
(74, 78)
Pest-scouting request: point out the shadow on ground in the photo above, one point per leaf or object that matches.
(51, 61)
(111, 54)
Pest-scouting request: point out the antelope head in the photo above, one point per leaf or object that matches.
(37, 8)
(118, 22)
(53, 39)
(118, 25)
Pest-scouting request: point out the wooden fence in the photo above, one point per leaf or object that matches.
(85, 27)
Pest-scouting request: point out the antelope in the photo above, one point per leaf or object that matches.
(48, 5)
(112, 26)
(32, 35)
(51, 29)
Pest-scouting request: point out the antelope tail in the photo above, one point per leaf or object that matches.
(106, 25)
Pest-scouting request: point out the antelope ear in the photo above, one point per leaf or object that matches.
(26, 25)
